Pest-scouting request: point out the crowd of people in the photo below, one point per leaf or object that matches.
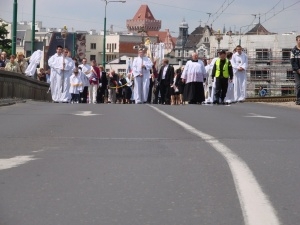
(218, 81)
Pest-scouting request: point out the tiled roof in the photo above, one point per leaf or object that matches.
(258, 30)
(144, 13)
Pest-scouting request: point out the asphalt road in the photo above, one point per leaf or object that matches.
(64, 164)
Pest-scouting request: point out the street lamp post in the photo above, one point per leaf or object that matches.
(104, 35)
(64, 34)
(33, 27)
(219, 37)
(14, 27)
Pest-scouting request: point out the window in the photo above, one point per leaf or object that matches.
(260, 75)
(286, 55)
(178, 53)
(93, 45)
(287, 90)
(290, 75)
(262, 54)
(92, 57)
(121, 71)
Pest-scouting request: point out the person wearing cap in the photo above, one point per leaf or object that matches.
(76, 86)
(141, 67)
(22, 62)
(240, 65)
(193, 76)
(295, 61)
(222, 71)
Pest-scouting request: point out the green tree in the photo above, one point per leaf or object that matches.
(5, 44)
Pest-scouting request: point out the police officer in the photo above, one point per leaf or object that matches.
(222, 71)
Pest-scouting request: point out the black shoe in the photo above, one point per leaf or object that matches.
(223, 103)
(297, 103)
(216, 103)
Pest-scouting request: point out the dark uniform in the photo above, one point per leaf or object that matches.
(222, 71)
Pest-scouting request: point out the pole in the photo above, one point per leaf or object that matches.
(240, 41)
(74, 44)
(14, 28)
(33, 27)
(104, 40)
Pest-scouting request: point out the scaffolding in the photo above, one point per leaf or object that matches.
(269, 69)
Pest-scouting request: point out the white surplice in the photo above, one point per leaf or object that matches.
(240, 77)
(59, 76)
(141, 83)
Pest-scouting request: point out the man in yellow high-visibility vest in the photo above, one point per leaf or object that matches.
(222, 74)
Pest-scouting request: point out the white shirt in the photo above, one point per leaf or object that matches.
(164, 72)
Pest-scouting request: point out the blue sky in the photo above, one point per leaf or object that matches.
(89, 14)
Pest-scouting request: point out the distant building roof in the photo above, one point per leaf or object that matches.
(143, 21)
(258, 30)
(195, 37)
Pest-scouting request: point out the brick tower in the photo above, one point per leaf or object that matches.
(143, 21)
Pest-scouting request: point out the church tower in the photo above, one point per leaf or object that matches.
(143, 21)
(183, 34)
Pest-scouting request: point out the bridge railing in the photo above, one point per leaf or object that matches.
(15, 85)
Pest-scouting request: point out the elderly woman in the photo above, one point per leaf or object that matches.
(12, 65)
(22, 62)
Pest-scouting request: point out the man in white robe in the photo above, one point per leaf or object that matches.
(61, 69)
(240, 65)
(67, 73)
(86, 70)
(141, 67)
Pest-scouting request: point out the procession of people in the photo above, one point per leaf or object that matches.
(219, 81)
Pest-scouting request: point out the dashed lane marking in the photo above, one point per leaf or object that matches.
(15, 161)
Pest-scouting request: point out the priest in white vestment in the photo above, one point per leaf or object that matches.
(239, 65)
(193, 76)
(61, 70)
(141, 67)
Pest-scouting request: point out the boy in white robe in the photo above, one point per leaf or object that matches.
(76, 86)
(141, 67)
(240, 65)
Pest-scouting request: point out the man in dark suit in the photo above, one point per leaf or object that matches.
(102, 85)
(165, 81)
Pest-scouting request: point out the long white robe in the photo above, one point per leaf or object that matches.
(59, 77)
(240, 77)
(34, 60)
(141, 83)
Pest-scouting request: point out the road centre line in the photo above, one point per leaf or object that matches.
(255, 204)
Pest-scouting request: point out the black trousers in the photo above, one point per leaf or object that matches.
(150, 91)
(221, 88)
(297, 81)
(164, 89)
(83, 95)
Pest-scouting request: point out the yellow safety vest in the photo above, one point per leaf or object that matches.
(225, 68)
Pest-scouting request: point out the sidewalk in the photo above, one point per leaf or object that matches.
(11, 101)
(282, 104)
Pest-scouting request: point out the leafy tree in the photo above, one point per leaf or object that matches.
(5, 44)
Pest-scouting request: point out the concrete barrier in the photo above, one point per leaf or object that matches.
(15, 85)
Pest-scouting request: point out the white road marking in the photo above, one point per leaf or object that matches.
(15, 161)
(86, 113)
(255, 204)
(254, 115)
